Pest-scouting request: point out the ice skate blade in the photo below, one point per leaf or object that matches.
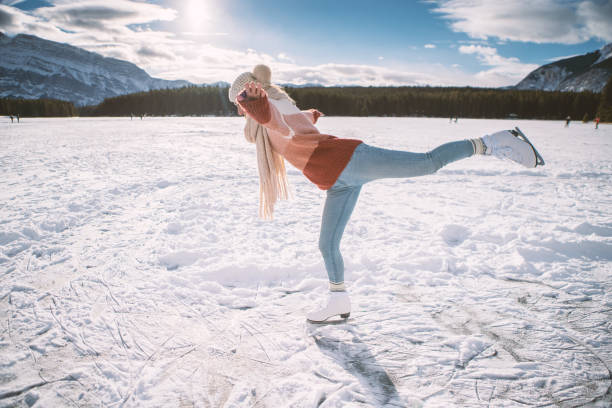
(517, 132)
(343, 318)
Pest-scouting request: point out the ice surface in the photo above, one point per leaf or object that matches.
(134, 271)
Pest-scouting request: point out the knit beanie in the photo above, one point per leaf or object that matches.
(239, 84)
(261, 74)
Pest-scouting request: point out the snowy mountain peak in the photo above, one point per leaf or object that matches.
(588, 72)
(32, 67)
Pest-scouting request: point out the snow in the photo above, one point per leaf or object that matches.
(548, 78)
(606, 52)
(553, 77)
(134, 271)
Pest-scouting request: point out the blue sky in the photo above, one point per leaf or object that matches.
(384, 42)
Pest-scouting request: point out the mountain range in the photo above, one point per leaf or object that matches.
(32, 68)
(588, 72)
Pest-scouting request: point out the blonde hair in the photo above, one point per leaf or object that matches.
(273, 183)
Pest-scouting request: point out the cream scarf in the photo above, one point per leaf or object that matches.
(273, 184)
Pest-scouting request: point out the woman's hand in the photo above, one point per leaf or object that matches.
(253, 90)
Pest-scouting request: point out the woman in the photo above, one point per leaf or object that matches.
(340, 166)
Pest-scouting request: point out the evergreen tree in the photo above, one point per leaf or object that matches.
(605, 105)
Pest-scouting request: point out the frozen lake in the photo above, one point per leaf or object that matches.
(134, 271)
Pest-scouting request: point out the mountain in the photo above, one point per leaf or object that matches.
(588, 72)
(33, 68)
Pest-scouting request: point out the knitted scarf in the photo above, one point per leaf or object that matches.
(273, 184)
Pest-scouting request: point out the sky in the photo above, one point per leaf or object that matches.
(481, 43)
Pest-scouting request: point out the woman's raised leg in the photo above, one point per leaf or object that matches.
(372, 163)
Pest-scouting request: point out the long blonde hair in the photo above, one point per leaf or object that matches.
(273, 183)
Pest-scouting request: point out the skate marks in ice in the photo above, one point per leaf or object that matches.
(129, 274)
(130, 356)
(518, 344)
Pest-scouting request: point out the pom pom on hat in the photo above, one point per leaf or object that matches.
(263, 74)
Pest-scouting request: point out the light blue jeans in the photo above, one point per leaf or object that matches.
(370, 163)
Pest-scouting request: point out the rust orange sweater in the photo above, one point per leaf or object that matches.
(293, 135)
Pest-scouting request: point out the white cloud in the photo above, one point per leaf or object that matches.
(14, 21)
(106, 16)
(504, 71)
(541, 21)
(429, 46)
(12, 2)
(344, 74)
(77, 22)
(284, 57)
(597, 18)
(7, 17)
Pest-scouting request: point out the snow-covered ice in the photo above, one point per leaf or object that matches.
(134, 271)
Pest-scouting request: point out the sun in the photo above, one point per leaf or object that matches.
(197, 15)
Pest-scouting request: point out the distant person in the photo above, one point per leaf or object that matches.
(597, 122)
(11, 116)
(341, 166)
(456, 119)
(567, 121)
(17, 118)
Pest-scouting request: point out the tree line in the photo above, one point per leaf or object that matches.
(446, 102)
(367, 101)
(36, 107)
(462, 102)
(190, 100)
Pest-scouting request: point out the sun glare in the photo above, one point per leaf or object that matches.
(197, 15)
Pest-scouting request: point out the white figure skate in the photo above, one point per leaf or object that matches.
(338, 304)
(513, 145)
